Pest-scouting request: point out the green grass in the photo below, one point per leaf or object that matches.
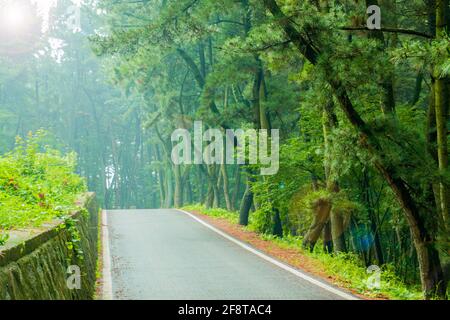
(36, 186)
(347, 268)
(232, 217)
(352, 273)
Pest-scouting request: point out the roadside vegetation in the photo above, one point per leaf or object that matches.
(37, 184)
(346, 269)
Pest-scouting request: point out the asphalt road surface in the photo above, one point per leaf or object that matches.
(167, 255)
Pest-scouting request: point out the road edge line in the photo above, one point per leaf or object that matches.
(107, 293)
(274, 261)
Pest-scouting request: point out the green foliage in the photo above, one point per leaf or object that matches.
(74, 242)
(232, 217)
(37, 184)
(3, 238)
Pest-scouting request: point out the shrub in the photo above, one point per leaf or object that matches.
(37, 184)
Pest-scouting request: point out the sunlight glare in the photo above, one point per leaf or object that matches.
(14, 16)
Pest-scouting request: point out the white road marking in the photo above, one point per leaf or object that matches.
(107, 293)
(296, 272)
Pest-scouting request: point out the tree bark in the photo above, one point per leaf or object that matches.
(178, 190)
(277, 224)
(441, 106)
(237, 187)
(226, 191)
(337, 225)
(338, 231)
(246, 203)
(327, 238)
(321, 218)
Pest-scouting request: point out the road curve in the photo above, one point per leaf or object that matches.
(167, 255)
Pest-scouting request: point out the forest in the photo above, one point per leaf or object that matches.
(361, 114)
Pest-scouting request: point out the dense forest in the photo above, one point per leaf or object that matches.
(362, 114)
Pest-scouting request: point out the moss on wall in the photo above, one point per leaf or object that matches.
(37, 267)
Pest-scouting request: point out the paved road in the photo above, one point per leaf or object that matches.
(166, 254)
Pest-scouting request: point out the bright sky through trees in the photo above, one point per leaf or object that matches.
(14, 16)
(17, 14)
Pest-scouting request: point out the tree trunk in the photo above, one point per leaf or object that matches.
(441, 128)
(321, 217)
(338, 231)
(210, 197)
(178, 192)
(374, 227)
(377, 240)
(226, 192)
(216, 198)
(169, 189)
(277, 224)
(237, 187)
(246, 204)
(327, 238)
(337, 225)
(201, 193)
(441, 105)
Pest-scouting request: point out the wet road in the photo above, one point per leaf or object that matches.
(167, 255)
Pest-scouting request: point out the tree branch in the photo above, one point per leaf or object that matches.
(392, 30)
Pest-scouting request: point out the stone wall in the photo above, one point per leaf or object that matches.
(34, 263)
